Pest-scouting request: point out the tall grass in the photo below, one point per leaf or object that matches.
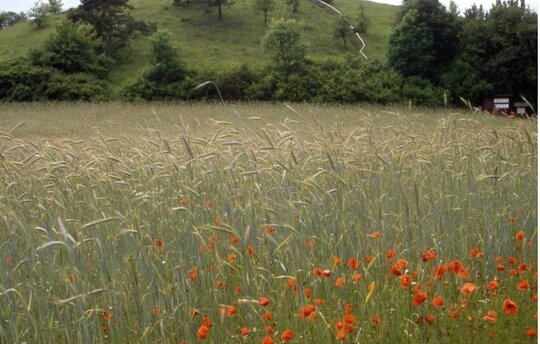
(107, 211)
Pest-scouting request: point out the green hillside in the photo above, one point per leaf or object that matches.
(206, 43)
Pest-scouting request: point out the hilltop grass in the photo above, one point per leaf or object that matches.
(206, 42)
(128, 223)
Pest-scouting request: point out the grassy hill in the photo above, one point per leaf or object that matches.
(206, 43)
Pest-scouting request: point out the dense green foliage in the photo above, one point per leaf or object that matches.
(498, 52)
(474, 56)
(282, 41)
(8, 18)
(166, 78)
(112, 23)
(72, 49)
(67, 67)
(435, 55)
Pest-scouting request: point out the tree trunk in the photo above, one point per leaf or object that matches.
(219, 11)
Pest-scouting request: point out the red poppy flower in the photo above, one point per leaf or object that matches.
(531, 332)
(493, 285)
(250, 250)
(390, 253)
(340, 282)
(320, 302)
(287, 335)
(336, 261)
(234, 240)
(326, 273)
(244, 331)
(154, 310)
(429, 255)
(207, 322)
(107, 315)
(511, 219)
(468, 288)
(357, 277)
(500, 267)
(402, 264)
(430, 319)
(349, 318)
(193, 274)
(454, 266)
(512, 260)
(270, 229)
(520, 235)
(509, 306)
(491, 317)
(463, 273)
(291, 284)
(375, 235)
(438, 301)
(306, 311)
(440, 270)
(184, 201)
(231, 257)
(395, 270)
(209, 203)
(202, 332)
(419, 298)
(307, 293)
(269, 329)
(405, 281)
(523, 285)
(264, 301)
(375, 320)
(453, 314)
(104, 330)
(267, 316)
(267, 340)
(158, 243)
(368, 259)
(341, 335)
(353, 263)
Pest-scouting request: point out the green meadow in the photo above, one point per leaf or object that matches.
(266, 223)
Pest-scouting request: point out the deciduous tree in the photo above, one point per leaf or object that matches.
(112, 23)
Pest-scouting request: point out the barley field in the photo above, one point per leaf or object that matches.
(266, 223)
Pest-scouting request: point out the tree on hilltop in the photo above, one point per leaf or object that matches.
(282, 41)
(112, 23)
(265, 6)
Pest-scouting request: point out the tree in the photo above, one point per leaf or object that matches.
(9, 18)
(410, 47)
(111, 22)
(39, 14)
(512, 51)
(166, 79)
(342, 29)
(265, 6)
(441, 28)
(293, 5)
(219, 4)
(498, 53)
(362, 21)
(282, 41)
(72, 48)
(55, 6)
